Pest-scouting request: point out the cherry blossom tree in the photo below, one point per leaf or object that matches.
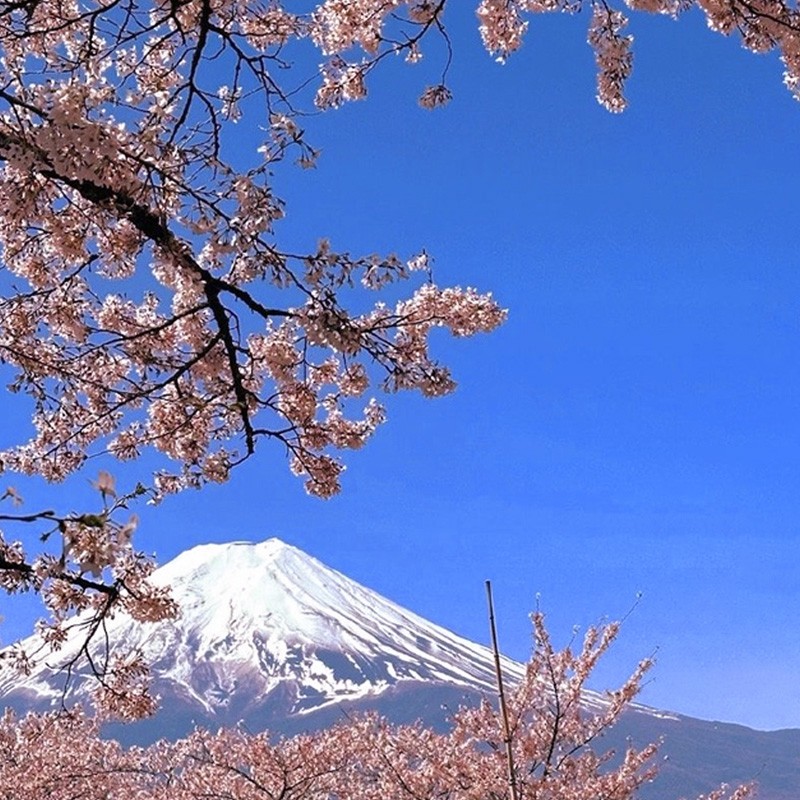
(148, 298)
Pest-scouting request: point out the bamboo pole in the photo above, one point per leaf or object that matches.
(512, 775)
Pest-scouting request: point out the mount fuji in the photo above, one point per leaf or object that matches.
(269, 635)
(271, 638)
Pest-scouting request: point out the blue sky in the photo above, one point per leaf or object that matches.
(634, 427)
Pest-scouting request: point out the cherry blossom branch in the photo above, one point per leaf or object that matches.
(79, 606)
(119, 160)
(28, 571)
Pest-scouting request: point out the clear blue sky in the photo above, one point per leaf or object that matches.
(635, 426)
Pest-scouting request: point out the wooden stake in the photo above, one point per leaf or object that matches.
(512, 775)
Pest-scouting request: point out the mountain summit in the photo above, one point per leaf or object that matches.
(270, 609)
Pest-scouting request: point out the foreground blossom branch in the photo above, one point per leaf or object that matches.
(762, 25)
(97, 575)
(148, 299)
(182, 370)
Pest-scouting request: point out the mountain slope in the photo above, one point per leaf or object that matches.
(266, 621)
(271, 637)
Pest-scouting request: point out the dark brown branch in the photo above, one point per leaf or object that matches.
(76, 580)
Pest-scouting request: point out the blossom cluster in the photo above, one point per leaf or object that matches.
(613, 55)
(763, 25)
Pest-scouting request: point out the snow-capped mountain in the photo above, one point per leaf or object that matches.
(262, 623)
(270, 637)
